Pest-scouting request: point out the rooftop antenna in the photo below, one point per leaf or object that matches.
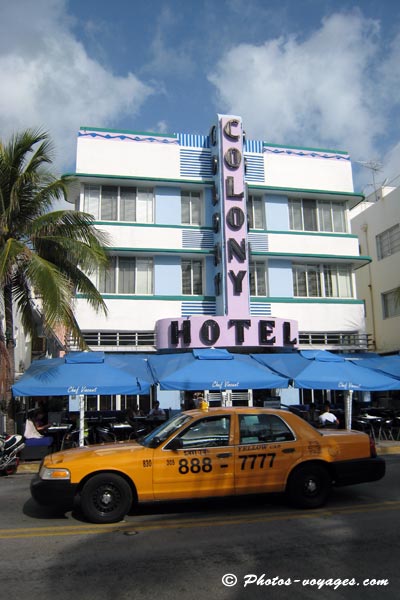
(375, 167)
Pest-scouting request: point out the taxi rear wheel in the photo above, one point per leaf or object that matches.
(309, 486)
(106, 498)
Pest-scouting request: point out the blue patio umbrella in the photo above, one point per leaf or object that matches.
(212, 369)
(328, 371)
(284, 363)
(86, 373)
(390, 365)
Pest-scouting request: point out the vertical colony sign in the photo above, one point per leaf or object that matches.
(233, 325)
(231, 204)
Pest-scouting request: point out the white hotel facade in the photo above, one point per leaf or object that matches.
(172, 206)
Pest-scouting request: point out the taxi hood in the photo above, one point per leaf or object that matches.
(90, 452)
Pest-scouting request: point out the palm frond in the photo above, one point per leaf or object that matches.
(44, 255)
(9, 253)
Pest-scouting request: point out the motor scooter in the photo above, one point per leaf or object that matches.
(10, 447)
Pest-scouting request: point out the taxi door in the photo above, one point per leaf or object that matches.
(266, 451)
(197, 463)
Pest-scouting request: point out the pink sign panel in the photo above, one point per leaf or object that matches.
(233, 209)
(225, 332)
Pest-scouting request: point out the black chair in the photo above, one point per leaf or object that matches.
(71, 440)
(364, 425)
(386, 431)
(104, 434)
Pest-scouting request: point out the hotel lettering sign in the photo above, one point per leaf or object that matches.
(225, 332)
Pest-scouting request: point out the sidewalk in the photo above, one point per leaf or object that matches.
(382, 448)
(387, 447)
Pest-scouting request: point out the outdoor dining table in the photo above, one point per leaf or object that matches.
(122, 431)
(57, 432)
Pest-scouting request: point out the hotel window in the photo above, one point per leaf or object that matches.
(322, 281)
(337, 281)
(107, 277)
(192, 277)
(144, 205)
(127, 275)
(255, 212)
(115, 203)
(306, 280)
(391, 304)
(191, 208)
(91, 200)
(109, 203)
(388, 242)
(313, 215)
(332, 216)
(258, 278)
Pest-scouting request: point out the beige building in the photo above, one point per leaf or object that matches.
(376, 222)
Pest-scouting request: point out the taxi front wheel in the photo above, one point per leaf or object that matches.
(309, 486)
(106, 498)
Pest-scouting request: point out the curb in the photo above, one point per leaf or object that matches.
(381, 450)
(32, 467)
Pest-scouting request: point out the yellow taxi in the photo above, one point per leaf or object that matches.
(200, 454)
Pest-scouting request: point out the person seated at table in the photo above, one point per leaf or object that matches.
(34, 426)
(328, 419)
(157, 412)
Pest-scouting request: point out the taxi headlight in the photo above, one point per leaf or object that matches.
(54, 474)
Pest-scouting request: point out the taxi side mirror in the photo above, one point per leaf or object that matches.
(175, 444)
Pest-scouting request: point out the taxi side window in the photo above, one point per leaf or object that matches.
(207, 432)
(263, 428)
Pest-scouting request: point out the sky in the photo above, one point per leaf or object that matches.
(311, 73)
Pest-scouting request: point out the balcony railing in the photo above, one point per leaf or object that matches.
(336, 340)
(145, 340)
(123, 340)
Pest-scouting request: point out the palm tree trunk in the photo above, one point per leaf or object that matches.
(4, 370)
(10, 347)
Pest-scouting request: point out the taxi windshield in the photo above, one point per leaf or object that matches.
(162, 433)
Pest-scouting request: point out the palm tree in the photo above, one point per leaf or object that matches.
(44, 256)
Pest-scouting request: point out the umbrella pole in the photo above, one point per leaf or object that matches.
(81, 420)
(348, 408)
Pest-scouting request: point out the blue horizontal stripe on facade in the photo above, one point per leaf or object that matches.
(197, 239)
(260, 309)
(258, 242)
(197, 308)
(254, 168)
(195, 163)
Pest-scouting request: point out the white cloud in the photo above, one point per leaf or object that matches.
(48, 80)
(319, 90)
